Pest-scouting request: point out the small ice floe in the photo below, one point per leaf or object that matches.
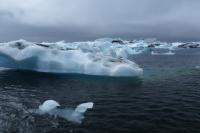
(197, 67)
(53, 108)
(167, 53)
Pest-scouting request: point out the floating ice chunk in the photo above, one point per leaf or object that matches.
(197, 67)
(48, 106)
(53, 108)
(167, 53)
(175, 45)
(189, 45)
(82, 108)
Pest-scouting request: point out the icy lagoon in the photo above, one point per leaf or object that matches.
(136, 86)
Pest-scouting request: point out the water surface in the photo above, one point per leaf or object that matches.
(165, 99)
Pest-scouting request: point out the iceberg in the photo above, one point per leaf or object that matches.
(104, 57)
(81, 58)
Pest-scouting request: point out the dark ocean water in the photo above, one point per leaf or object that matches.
(166, 99)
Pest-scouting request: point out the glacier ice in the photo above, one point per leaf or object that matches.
(81, 58)
(106, 56)
(53, 108)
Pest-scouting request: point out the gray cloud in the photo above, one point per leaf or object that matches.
(74, 20)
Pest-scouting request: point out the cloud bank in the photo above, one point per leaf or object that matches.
(75, 20)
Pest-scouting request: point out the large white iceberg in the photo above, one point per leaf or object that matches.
(82, 58)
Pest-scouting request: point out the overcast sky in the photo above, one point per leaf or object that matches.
(80, 20)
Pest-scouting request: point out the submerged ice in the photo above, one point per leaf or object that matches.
(53, 108)
(108, 57)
